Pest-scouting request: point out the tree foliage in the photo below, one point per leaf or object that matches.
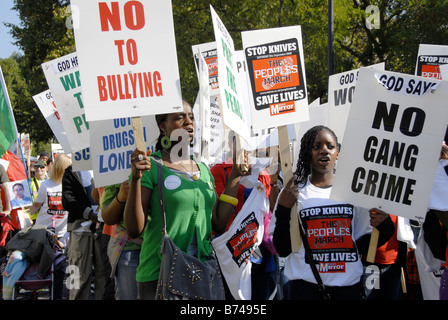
(43, 35)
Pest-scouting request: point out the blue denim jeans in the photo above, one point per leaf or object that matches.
(125, 275)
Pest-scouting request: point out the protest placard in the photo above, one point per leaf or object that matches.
(62, 75)
(128, 58)
(277, 79)
(210, 55)
(259, 138)
(429, 59)
(392, 143)
(341, 89)
(277, 83)
(229, 82)
(204, 109)
(47, 107)
(113, 142)
(81, 160)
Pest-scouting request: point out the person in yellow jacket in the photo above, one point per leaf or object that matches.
(39, 176)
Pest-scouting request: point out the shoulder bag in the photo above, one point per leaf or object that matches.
(183, 276)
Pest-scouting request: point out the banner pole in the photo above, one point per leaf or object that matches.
(373, 245)
(138, 133)
(286, 166)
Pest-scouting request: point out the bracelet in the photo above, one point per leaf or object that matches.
(228, 199)
(116, 198)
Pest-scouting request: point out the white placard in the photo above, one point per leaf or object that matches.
(113, 142)
(47, 107)
(429, 59)
(277, 79)
(209, 53)
(259, 138)
(341, 89)
(64, 82)
(128, 59)
(229, 82)
(81, 160)
(392, 143)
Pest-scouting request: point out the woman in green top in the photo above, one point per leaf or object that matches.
(192, 211)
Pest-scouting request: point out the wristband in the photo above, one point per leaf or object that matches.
(116, 198)
(228, 199)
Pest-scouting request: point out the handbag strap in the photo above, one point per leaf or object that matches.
(158, 162)
(320, 285)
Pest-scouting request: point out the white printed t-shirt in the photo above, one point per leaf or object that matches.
(331, 228)
(50, 195)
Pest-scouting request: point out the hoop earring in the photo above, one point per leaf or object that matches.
(165, 142)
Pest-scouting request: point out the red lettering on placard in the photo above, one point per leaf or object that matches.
(129, 8)
(130, 86)
(106, 16)
(134, 15)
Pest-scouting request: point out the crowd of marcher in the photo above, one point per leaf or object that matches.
(111, 236)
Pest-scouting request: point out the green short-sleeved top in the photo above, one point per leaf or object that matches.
(188, 206)
(109, 194)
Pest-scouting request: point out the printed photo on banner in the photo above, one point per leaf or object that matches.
(392, 143)
(430, 58)
(127, 55)
(277, 80)
(19, 194)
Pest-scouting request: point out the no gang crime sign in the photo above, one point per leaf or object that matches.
(392, 143)
(127, 57)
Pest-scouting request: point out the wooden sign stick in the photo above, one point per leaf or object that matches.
(286, 164)
(373, 245)
(138, 133)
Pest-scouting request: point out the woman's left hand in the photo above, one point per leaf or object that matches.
(377, 216)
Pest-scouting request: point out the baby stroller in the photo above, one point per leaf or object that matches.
(33, 256)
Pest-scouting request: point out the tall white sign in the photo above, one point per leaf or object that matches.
(392, 143)
(128, 59)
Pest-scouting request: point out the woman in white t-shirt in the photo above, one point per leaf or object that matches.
(49, 200)
(335, 233)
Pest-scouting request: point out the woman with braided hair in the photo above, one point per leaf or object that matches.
(335, 234)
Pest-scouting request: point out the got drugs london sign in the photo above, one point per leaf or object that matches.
(392, 143)
(127, 56)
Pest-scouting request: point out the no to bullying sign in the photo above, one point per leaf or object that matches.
(276, 72)
(392, 143)
(128, 58)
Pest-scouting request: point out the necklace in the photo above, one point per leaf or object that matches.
(194, 176)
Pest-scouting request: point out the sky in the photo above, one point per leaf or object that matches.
(6, 40)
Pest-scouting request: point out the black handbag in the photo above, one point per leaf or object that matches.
(183, 276)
